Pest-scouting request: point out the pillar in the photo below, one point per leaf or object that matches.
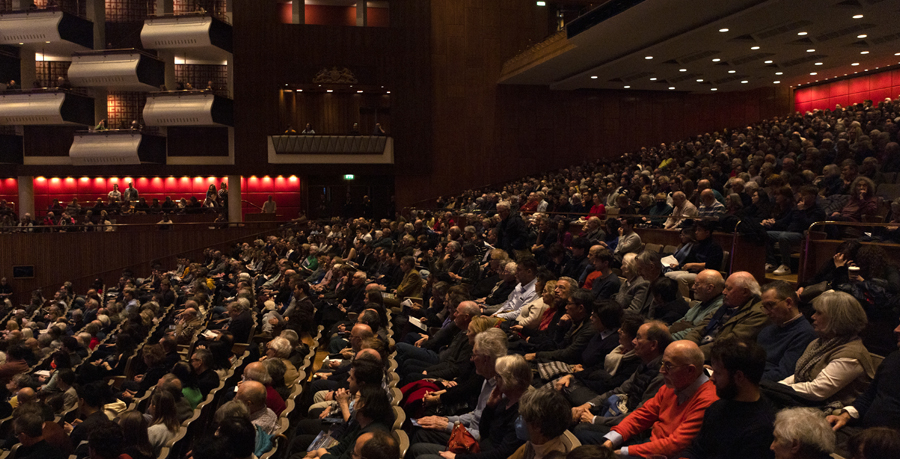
(168, 57)
(234, 199)
(96, 13)
(27, 67)
(164, 7)
(229, 5)
(101, 107)
(26, 196)
(298, 12)
(361, 13)
(229, 75)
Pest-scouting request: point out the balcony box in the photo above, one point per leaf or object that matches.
(188, 108)
(121, 147)
(119, 70)
(46, 108)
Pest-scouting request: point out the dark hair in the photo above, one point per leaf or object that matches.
(303, 286)
(610, 313)
(62, 359)
(528, 263)
(744, 356)
(134, 429)
(591, 452)
(67, 376)
(183, 371)
(381, 446)
(468, 250)
(783, 289)
(107, 440)
(375, 404)
(583, 297)
(30, 424)
(581, 243)
(666, 288)
(547, 410)
(874, 443)
(212, 447)
(631, 323)
(93, 394)
(367, 373)
(240, 435)
(849, 248)
(659, 332)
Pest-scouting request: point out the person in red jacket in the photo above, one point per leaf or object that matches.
(675, 414)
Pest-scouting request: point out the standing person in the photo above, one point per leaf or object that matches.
(115, 193)
(512, 234)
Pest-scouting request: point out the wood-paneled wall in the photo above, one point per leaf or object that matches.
(335, 113)
(58, 257)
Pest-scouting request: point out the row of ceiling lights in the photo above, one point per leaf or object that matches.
(768, 62)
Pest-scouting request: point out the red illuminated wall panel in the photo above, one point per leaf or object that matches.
(875, 87)
(255, 190)
(9, 191)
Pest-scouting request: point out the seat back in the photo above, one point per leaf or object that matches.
(399, 418)
(402, 441)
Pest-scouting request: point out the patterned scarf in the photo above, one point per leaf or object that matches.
(814, 353)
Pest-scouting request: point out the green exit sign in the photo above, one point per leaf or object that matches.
(349, 176)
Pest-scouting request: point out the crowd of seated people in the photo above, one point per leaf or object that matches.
(501, 337)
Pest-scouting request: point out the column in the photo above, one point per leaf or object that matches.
(164, 7)
(168, 57)
(27, 68)
(229, 12)
(234, 199)
(229, 72)
(361, 13)
(26, 196)
(96, 13)
(101, 108)
(298, 12)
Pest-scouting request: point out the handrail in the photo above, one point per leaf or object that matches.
(254, 205)
(63, 228)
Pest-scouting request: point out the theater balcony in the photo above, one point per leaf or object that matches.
(57, 32)
(201, 37)
(118, 70)
(46, 107)
(331, 149)
(188, 108)
(117, 147)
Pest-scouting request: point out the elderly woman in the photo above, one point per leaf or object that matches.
(802, 433)
(836, 366)
(543, 417)
(496, 430)
(633, 292)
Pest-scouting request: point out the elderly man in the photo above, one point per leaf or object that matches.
(512, 234)
(253, 394)
(256, 371)
(453, 360)
(709, 206)
(683, 209)
(707, 288)
(786, 338)
(280, 348)
(524, 293)
(187, 324)
(676, 412)
(741, 314)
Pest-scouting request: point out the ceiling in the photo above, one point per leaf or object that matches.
(799, 42)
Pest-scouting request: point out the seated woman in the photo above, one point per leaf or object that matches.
(669, 305)
(802, 433)
(544, 415)
(633, 291)
(586, 382)
(836, 366)
(163, 420)
(862, 203)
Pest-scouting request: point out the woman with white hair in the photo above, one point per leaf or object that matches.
(633, 292)
(802, 433)
(836, 366)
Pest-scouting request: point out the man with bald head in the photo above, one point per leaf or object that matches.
(707, 290)
(709, 207)
(675, 414)
(256, 371)
(187, 324)
(253, 394)
(741, 315)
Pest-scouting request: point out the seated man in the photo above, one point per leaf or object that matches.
(676, 412)
(707, 289)
(741, 314)
(709, 206)
(704, 254)
(602, 282)
(785, 339)
(524, 293)
(789, 230)
(739, 424)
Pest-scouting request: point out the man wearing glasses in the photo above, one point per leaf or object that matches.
(675, 414)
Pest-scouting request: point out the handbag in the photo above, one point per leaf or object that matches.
(462, 442)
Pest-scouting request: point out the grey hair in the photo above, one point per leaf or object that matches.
(514, 372)
(747, 281)
(845, 315)
(547, 410)
(492, 343)
(233, 408)
(291, 336)
(735, 200)
(503, 204)
(806, 426)
(281, 346)
(469, 308)
(258, 374)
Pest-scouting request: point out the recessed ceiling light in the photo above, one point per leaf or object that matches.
(863, 52)
(713, 89)
(671, 87)
(716, 59)
(723, 30)
(855, 64)
(744, 81)
(47, 42)
(594, 77)
(862, 36)
(810, 50)
(769, 62)
(813, 73)
(685, 70)
(330, 90)
(776, 82)
(653, 79)
(754, 47)
(801, 33)
(359, 91)
(732, 71)
(857, 16)
(299, 90)
(818, 63)
(387, 92)
(648, 57)
(700, 80)
(541, 3)
(21, 43)
(896, 54)
(627, 87)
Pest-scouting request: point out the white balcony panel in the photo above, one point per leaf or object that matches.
(30, 28)
(192, 110)
(114, 71)
(96, 149)
(31, 109)
(184, 33)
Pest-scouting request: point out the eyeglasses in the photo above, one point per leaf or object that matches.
(667, 366)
